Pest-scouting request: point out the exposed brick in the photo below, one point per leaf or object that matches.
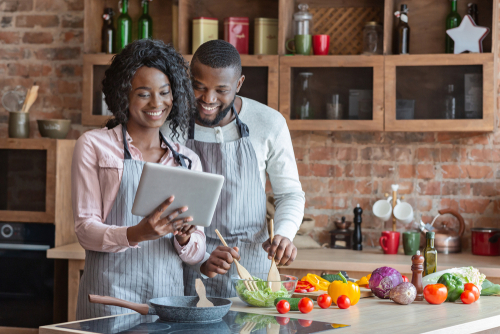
(477, 172)
(475, 138)
(16, 5)
(299, 152)
(426, 171)
(326, 170)
(315, 185)
(428, 154)
(405, 187)
(72, 102)
(488, 189)
(341, 186)
(455, 188)
(452, 172)
(321, 220)
(485, 155)
(38, 38)
(429, 188)
(363, 187)
(347, 153)
(72, 37)
(406, 171)
(448, 203)
(72, 21)
(449, 137)
(70, 70)
(31, 21)
(327, 202)
(386, 171)
(474, 205)
(321, 153)
(12, 53)
(6, 22)
(9, 37)
(51, 5)
(358, 170)
(451, 154)
(304, 169)
(68, 87)
(58, 53)
(18, 69)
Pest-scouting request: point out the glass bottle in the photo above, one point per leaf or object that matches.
(472, 11)
(450, 104)
(108, 32)
(452, 21)
(124, 27)
(303, 97)
(402, 38)
(302, 21)
(145, 22)
(430, 255)
(372, 38)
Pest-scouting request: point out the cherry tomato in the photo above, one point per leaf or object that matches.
(305, 305)
(467, 297)
(305, 323)
(283, 306)
(473, 288)
(343, 302)
(283, 320)
(324, 301)
(435, 293)
(405, 279)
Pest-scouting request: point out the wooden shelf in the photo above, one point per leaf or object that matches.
(436, 84)
(376, 63)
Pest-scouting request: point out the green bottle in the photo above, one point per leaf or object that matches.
(452, 21)
(430, 255)
(145, 22)
(124, 27)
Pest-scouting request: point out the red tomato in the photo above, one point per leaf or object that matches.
(405, 279)
(305, 323)
(283, 320)
(305, 305)
(467, 297)
(324, 301)
(473, 288)
(435, 293)
(283, 306)
(343, 302)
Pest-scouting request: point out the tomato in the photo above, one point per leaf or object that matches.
(283, 306)
(306, 305)
(435, 293)
(405, 279)
(343, 302)
(283, 320)
(473, 288)
(467, 297)
(305, 323)
(324, 301)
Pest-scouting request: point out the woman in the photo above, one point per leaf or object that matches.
(127, 256)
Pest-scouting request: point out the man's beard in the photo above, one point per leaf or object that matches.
(219, 117)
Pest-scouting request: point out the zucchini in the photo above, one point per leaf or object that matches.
(294, 302)
(330, 277)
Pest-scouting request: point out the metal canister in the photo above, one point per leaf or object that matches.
(266, 36)
(204, 29)
(236, 33)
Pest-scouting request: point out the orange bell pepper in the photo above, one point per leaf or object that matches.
(317, 281)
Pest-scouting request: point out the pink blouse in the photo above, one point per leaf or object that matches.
(96, 174)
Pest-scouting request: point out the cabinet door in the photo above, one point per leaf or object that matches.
(439, 93)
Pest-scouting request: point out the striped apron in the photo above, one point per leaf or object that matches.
(240, 215)
(138, 274)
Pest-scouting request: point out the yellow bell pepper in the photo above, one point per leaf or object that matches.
(316, 281)
(364, 281)
(339, 288)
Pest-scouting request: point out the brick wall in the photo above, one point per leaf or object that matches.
(42, 40)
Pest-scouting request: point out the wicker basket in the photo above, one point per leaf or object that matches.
(345, 26)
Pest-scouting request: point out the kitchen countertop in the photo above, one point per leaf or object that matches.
(343, 259)
(375, 315)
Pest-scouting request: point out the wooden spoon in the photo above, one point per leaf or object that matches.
(33, 94)
(200, 290)
(273, 278)
(244, 274)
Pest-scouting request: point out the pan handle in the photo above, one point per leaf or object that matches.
(143, 309)
(494, 238)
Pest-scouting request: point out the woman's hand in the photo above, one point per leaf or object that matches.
(220, 261)
(153, 227)
(184, 234)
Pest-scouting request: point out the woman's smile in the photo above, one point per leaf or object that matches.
(155, 114)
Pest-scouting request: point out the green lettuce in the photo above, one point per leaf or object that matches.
(467, 274)
(490, 289)
(264, 297)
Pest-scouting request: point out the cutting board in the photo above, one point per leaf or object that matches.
(314, 295)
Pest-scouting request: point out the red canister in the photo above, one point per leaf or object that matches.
(485, 241)
(236, 33)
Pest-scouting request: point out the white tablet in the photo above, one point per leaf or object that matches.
(198, 191)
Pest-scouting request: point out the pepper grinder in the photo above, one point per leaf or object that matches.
(417, 268)
(357, 238)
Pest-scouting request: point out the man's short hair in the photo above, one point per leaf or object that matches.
(218, 54)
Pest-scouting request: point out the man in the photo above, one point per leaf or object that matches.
(242, 140)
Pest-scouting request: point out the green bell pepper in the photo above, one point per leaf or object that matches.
(454, 284)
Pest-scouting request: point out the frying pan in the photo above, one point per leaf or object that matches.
(173, 309)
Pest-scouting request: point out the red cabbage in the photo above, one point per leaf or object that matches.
(383, 280)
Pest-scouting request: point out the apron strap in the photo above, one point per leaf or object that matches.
(126, 151)
(178, 157)
(244, 131)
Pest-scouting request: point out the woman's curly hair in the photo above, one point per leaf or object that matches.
(117, 82)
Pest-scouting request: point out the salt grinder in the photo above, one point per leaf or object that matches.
(357, 238)
(417, 268)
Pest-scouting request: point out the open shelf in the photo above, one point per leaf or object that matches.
(422, 107)
(349, 76)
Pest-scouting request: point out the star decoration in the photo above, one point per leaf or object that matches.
(468, 36)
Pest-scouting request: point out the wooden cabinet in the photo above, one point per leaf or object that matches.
(35, 184)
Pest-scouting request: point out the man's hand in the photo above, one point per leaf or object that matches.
(219, 261)
(282, 249)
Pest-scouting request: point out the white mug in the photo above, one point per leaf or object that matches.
(403, 212)
(383, 208)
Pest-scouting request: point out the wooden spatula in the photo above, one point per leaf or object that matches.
(30, 98)
(200, 290)
(244, 274)
(273, 277)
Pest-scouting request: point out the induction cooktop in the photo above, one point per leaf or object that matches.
(232, 323)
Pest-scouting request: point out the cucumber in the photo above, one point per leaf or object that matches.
(294, 302)
(331, 278)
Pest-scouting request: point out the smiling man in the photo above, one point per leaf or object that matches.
(242, 140)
